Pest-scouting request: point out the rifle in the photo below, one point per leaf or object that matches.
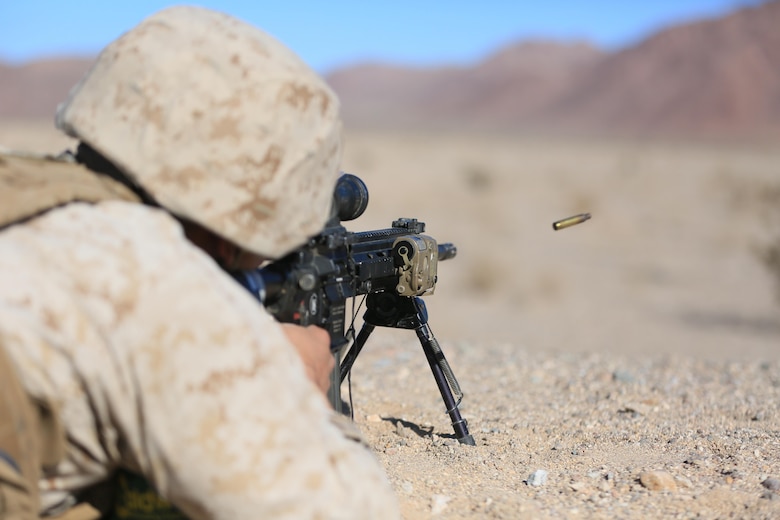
(391, 268)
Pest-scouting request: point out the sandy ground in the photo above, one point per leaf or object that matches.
(628, 367)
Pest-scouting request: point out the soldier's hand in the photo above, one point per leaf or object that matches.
(313, 345)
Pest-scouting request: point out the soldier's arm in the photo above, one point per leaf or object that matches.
(313, 346)
(227, 424)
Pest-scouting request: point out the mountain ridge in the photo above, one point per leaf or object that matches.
(712, 78)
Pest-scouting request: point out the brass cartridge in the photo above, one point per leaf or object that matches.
(570, 221)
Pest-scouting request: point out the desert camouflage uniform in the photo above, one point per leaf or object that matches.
(149, 356)
(158, 362)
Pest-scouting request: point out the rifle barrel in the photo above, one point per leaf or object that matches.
(447, 251)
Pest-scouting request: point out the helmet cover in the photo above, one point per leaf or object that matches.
(219, 122)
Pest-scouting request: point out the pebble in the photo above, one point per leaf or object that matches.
(403, 431)
(684, 482)
(658, 481)
(439, 504)
(635, 409)
(623, 376)
(771, 484)
(578, 486)
(537, 478)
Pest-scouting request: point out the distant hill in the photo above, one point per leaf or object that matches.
(33, 90)
(516, 82)
(711, 78)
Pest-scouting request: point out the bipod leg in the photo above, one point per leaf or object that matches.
(334, 392)
(445, 379)
(357, 346)
(390, 310)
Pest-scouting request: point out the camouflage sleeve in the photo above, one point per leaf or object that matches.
(193, 384)
(230, 427)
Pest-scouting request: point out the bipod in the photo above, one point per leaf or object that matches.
(401, 312)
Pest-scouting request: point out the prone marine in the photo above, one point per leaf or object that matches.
(204, 146)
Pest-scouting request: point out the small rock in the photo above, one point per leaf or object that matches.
(684, 482)
(403, 431)
(537, 478)
(658, 481)
(373, 418)
(623, 376)
(407, 487)
(768, 495)
(772, 484)
(439, 503)
(634, 409)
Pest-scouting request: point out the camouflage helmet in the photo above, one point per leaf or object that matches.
(219, 122)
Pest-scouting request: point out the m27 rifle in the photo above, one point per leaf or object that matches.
(391, 268)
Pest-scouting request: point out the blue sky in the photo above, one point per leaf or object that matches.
(332, 34)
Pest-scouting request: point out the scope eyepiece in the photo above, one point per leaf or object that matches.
(350, 198)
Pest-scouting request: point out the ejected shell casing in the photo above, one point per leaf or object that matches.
(571, 221)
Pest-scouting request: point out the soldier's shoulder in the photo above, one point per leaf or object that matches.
(33, 162)
(40, 167)
(33, 183)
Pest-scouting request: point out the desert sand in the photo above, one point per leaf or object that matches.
(627, 367)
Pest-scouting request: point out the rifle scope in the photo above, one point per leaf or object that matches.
(350, 197)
